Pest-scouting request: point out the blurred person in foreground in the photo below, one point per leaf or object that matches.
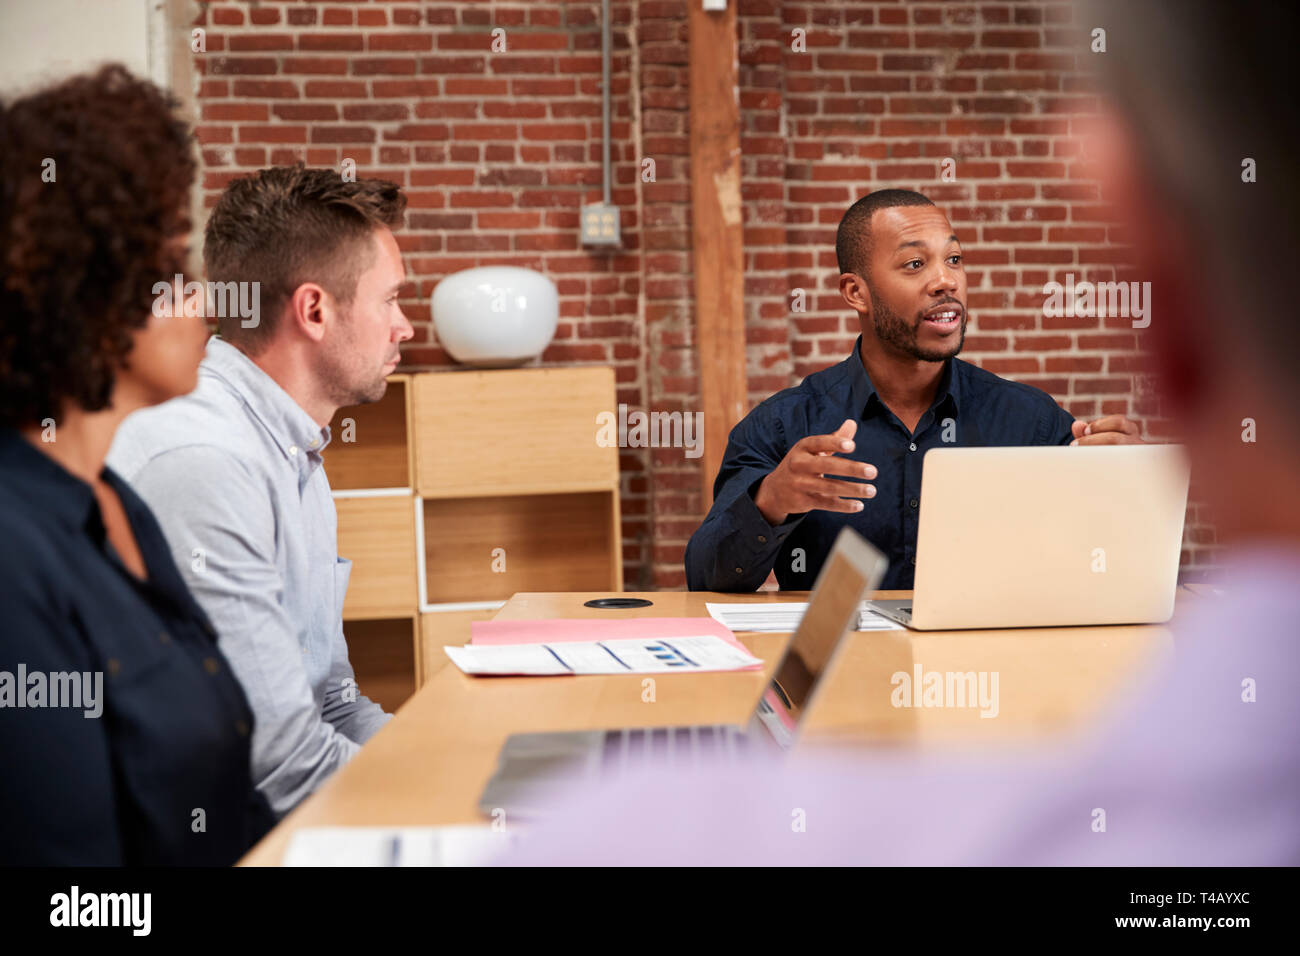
(1201, 766)
(125, 736)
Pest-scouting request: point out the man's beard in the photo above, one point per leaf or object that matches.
(371, 391)
(893, 330)
(347, 388)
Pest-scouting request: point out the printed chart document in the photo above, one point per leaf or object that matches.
(560, 630)
(469, 845)
(699, 653)
(784, 617)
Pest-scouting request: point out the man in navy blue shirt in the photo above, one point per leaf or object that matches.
(780, 497)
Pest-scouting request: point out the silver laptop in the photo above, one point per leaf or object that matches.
(1044, 537)
(853, 569)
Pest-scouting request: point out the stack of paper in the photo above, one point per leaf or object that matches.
(615, 645)
(784, 617)
(405, 846)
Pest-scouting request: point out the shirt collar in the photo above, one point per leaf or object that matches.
(862, 390)
(293, 430)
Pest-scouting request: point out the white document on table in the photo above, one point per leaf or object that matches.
(704, 652)
(469, 845)
(783, 617)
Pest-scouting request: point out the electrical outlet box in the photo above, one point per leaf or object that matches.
(600, 225)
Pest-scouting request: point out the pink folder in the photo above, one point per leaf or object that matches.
(561, 630)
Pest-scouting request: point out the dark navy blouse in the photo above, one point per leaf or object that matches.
(161, 774)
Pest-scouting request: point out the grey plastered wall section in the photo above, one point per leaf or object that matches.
(173, 30)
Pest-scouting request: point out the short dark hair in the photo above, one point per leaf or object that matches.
(95, 192)
(288, 225)
(853, 238)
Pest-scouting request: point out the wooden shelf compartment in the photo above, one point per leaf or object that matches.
(383, 656)
(552, 542)
(379, 456)
(543, 422)
(378, 536)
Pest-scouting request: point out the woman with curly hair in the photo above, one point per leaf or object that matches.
(125, 737)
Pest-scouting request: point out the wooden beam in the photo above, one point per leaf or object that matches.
(716, 234)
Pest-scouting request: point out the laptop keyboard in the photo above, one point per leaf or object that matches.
(671, 745)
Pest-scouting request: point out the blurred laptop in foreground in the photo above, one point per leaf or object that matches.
(852, 571)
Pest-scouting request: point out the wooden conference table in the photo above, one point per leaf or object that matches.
(429, 764)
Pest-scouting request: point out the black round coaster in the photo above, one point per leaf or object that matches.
(617, 603)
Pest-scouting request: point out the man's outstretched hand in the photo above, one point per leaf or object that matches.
(802, 481)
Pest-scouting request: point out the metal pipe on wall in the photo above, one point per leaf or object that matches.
(606, 41)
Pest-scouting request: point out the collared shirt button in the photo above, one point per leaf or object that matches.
(913, 502)
(314, 442)
(293, 449)
(740, 570)
(762, 539)
(210, 665)
(913, 560)
(912, 447)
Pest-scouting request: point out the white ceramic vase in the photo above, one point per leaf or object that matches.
(495, 316)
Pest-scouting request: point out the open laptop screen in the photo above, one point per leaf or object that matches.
(852, 571)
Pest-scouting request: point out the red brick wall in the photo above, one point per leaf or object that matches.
(497, 150)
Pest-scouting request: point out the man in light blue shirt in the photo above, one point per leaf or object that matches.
(233, 470)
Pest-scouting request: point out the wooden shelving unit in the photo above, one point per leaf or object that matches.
(459, 489)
